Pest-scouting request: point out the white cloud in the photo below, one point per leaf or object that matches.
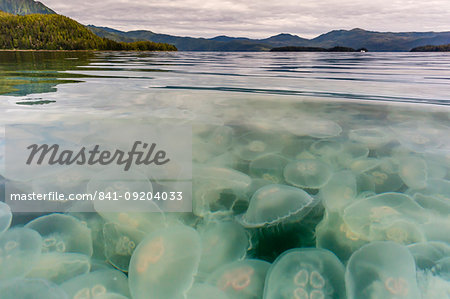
(258, 18)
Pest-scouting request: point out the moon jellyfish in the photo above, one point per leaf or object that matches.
(222, 243)
(339, 191)
(59, 267)
(333, 234)
(212, 143)
(307, 173)
(435, 195)
(5, 217)
(273, 204)
(142, 221)
(94, 284)
(311, 126)
(242, 279)
(328, 150)
(352, 151)
(433, 204)
(120, 242)
(381, 270)
(363, 164)
(63, 233)
(428, 254)
(385, 177)
(371, 137)
(219, 191)
(413, 172)
(205, 291)
(20, 249)
(252, 145)
(269, 167)
(395, 214)
(164, 263)
(305, 273)
(30, 289)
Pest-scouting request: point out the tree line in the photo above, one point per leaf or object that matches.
(57, 32)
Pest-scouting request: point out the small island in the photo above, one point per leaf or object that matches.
(57, 32)
(431, 48)
(316, 49)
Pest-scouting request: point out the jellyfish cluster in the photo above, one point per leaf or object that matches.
(313, 202)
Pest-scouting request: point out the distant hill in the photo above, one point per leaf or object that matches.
(428, 48)
(355, 38)
(316, 49)
(56, 32)
(24, 7)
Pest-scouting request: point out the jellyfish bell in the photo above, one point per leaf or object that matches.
(242, 279)
(164, 263)
(30, 288)
(5, 217)
(274, 204)
(305, 273)
(252, 145)
(120, 243)
(413, 172)
(269, 167)
(339, 191)
(20, 249)
(59, 267)
(96, 283)
(368, 216)
(311, 126)
(218, 190)
(222, 243)
(371, 137)
(307, 173)
(381, 270)
(63, 233)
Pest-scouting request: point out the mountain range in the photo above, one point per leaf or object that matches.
(356, 38)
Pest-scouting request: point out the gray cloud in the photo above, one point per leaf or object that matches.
(258, 18)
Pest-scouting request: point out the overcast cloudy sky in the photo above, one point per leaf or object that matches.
(258, 18)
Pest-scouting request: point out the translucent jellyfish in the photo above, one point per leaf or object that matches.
(381, 270)
(385, 177)
(205, 291)
(63, 233)
(413, 171)
(273, 204)
(352, 151)
(436, 190)
(269, 167)
(311, 126)
(420, 136)
(364, 164)
(120, 243)
(307, 173)
(212, 142)
(242, 279)
(59, 267)
(30, 289)
(433, 203)
(369, 217)
(296, 146)
(339, 191)
(164, 263)
(305, 273)
(94, 284)
(428, 254)
(20, 249)
(5, 217)
(222, 243)
(146, 222)
(328, 150)
(333, 234)
(255, 144)
(371, 137)
(219, 191)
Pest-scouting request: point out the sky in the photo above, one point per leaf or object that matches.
(258, 18)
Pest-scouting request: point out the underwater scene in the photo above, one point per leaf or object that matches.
(314, 176)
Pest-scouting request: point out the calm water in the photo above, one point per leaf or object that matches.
(348, 152)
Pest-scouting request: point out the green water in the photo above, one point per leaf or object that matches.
(315, 175)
